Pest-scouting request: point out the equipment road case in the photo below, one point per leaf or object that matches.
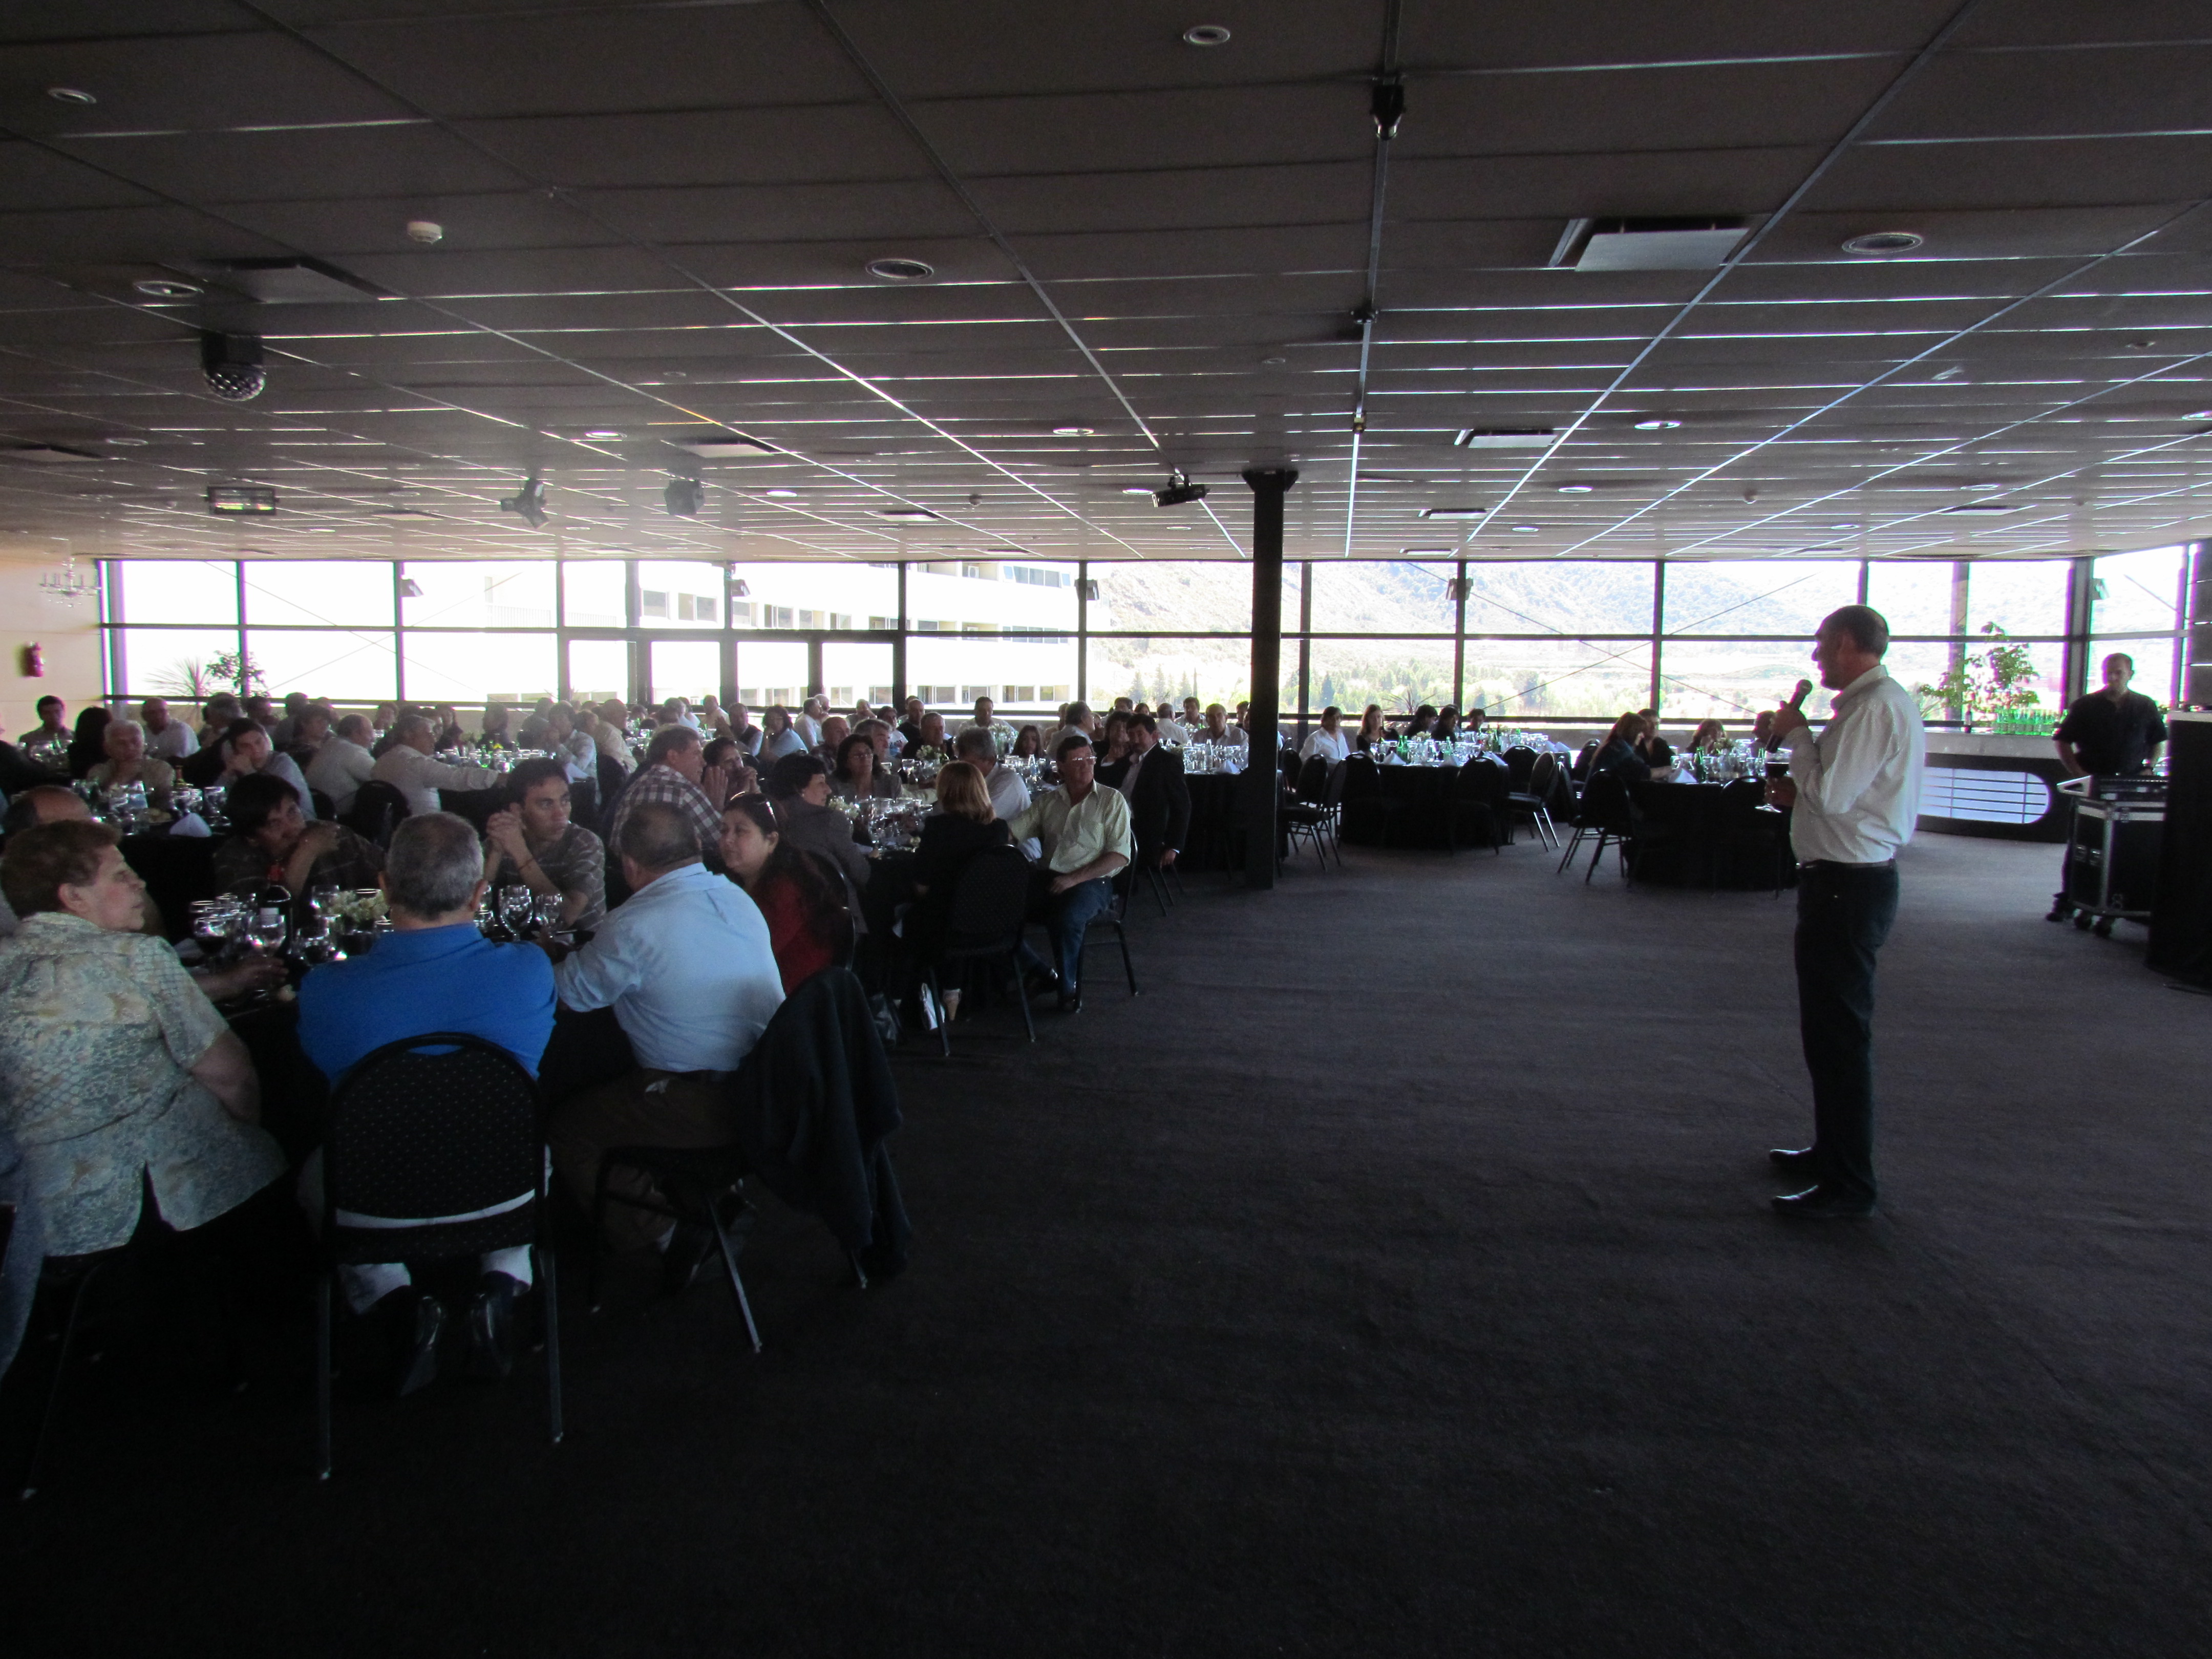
(2112, 855)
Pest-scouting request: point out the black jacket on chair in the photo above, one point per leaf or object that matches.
(1159, 812)
(814, 1103)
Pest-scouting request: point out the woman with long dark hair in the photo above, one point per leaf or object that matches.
(801, 897)
(1619, 752)
(856, 775)
(89, 746)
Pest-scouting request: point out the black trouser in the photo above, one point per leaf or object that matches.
(1845, 912)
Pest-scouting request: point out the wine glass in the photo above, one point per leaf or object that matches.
(545, 911)
(269, 929)
(514, 908)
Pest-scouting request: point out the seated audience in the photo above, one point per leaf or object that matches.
(52, 732)
(498, 727)
(88, 748)
(271, 840)
(1709, 735)
(909, 729)
(245, 750)
(986, 719)
(722, 756)
(1171, 728)
(798, 785)
(1656, 750)
(964, 824)
(857, 776)
(217, 716)
(1218, 730)
(742, 728)
(445, 727)
(572, 746)
(386, 717)
(1327, 739)
(687, 969)
(1423, 717)
(411, 767)
(1371, 734)
(433, 972)
(808, 720)
(1075, 718)
(282, 734)
(311, 730)
(1446, 730)
(1619, 753)
(674, 774)
(779, 737)
(835, 728)
(531, 842)
(1085, 833)
(801, 896)
(128, 762)
(978, 747)
(118, 1080)
(342, 763)
(1158, 796)
(165, 739)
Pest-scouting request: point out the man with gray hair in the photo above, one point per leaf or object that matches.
(165, 739)
(978, 746)
(433, 972)
(1856, 789)
(687, 968)
(411, 767)
(344, 763)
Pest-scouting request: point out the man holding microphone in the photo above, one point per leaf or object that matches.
(1856, 791)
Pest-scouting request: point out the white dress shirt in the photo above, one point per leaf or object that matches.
(1009, 794)
(1331, 746)
(339, 768)
(173, 742)
(580, 755)
(1171, 729)
(283, 766)
(419, 776)
(686, 966)
(1858, 782)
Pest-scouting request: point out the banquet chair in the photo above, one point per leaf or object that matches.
(689, 1182)
(1602, 812)
(990, 907)
(443, 1125)
(1520, 764)
(1313, 780)
(1311, 814)
(1532, 797)
(377, 809)
(1116, 916)
(1478, 792)
(1672, 818)
(1362, 795)
(71, 1276)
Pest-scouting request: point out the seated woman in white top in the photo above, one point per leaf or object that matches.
(128, 762)
(1327, 739)
(778, 736)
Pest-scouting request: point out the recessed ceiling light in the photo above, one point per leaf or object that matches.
(128, 443)
(1273, 362)
(1840, 526)
(1577, 489)
(904, 512)
(1526, 529)
(1982, 507)
(162, 288)
(1453, 511)
(425, 230)
(319, 530)
(602, 432)
(1983, 489)
(1426, 552)
(70, 95)
(1074, 432)
(781, 494)
(1198, 34)
(1504, 437)
(1656, 424)
(1138, 489)
(2199, 415)
(1878, 242)
(901, 271)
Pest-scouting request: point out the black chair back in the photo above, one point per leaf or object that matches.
(439, 1125)
(1605, 805)
(1313, 779)
(1480, 783)
(1363, 780)
(376, 812)
(990, 901)
(1582, 760)
(1543, 777)
(1519, 764)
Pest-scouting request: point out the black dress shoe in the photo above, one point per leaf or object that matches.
(2061, 909)
(1071, 1002)
(413, 1324)
(1040, 981)
(491, 1327)
(1823, 1204)
(1784, 1158)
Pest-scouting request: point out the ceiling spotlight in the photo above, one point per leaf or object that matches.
(2198, 415)
(1273, 362)
(601, 432)
(1453, 511)
(1877, 242)
(1180, 491)
(1577, 489)
(904, 512)
(1751, 495)
(1074, 432)
(425, 230)
(1526, 529)
(241, 501)
(1983, 488)
(1198, 34)
(129, 443)
(70, 95)
(231, 364)
(410, 588)
(528, 503)
(901, 271)
(163, 287)
(684, 497)
(780, 494)
(1656, 425)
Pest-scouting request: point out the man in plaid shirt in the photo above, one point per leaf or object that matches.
(676, 772)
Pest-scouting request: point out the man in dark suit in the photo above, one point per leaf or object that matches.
(1159, 799)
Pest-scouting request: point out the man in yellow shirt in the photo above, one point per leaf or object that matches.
(1085, 832)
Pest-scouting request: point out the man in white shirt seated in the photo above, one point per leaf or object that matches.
(410, 767)
(1172, 730)
(1010, 796)
(686, 966)
(165, 739)
(1327, 739)
(1085, 832)
(1218, 730)
(808, 721)
(342, 763)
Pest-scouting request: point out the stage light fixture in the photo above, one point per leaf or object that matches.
(231, 364)
(241, 501)
(741, 589)
(684, 497)
(1180, 492)
(528, 504)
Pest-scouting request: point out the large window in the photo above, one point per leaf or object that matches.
(1532, 640)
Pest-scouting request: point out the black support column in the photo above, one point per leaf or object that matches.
(1263, 777)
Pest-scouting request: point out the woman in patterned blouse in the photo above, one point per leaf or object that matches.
(116, 1072)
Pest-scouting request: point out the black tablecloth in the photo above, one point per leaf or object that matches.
(1706, 834)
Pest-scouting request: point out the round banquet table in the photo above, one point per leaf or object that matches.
(1706, 834)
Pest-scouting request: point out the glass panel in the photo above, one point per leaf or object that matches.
(2020, 596)
(171, 662)
(1025, 598)
(593, 593)
(1189, 596)
(1576, 596)
(472, 668)
(599, 670)
(1293, 576)
(2156, 667)
(679, 595)
(319, 593)
(1786, 597)
(331, 662)
(2142, 591)
(942, 669)
(853, 671)
(1914, 597)
(837, 597)
(1400, 674)
(1914, 666)
(771, 672)
(1725, 680)
(1517, 680)
(1165, 670)
(487, 594)
(1396, 596)
(691, 669)
(177, 591)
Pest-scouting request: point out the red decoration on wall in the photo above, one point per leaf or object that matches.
(34, 662)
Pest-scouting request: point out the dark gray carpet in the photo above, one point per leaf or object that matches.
(1392, 1277)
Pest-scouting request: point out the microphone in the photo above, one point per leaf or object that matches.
(1797, 701)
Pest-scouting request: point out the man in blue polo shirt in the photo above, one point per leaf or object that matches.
(433, 972)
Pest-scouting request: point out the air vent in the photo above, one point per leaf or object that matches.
(302, 281)
(1505, 437)
(1648, 243)
(234, 500)
(51, 455)
(725, 446)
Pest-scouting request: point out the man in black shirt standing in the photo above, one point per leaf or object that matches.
(2112, 733)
